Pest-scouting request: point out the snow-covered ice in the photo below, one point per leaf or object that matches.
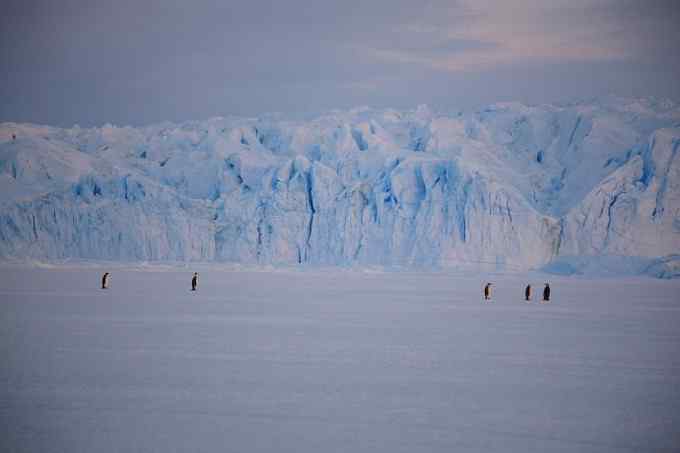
(510, 186)
(274, 360)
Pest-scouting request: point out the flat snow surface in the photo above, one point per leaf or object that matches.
(335, 361)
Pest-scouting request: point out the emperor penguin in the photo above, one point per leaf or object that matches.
(546, 293)
(487, 291)
(527, 293)
(105, 280)
(194, 281)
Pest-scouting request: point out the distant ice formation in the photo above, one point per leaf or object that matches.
(510, 187)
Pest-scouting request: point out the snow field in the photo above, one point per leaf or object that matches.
(335, 360)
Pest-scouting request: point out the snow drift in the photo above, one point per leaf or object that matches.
(508, 187)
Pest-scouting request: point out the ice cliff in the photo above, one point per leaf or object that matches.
(508, 187)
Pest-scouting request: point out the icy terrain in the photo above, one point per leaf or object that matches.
(342, 361)
(511, 187)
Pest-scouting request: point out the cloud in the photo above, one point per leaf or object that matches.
(482, 34)
(151, 60)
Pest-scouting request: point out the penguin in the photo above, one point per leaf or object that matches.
(14, 136)
(487, 291)
(105, 280)
(194, 281)
(527, 293)
(546, 293)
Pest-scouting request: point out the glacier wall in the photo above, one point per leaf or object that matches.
(508, 187)
(636, 210)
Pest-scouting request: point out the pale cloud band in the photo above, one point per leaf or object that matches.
(491, 33)
(142, 61)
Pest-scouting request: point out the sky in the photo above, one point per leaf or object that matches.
(137, 62)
